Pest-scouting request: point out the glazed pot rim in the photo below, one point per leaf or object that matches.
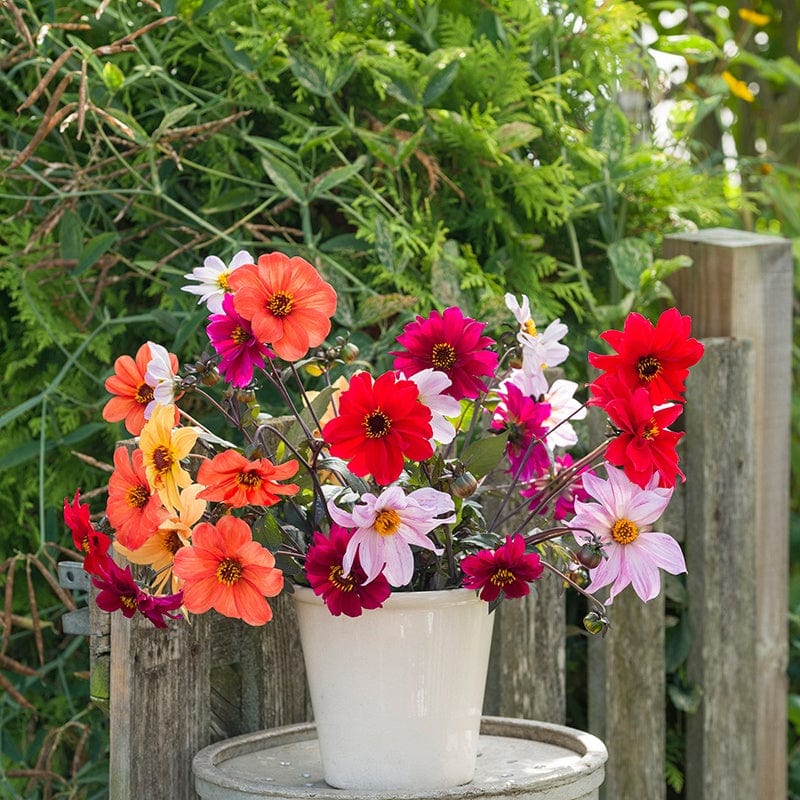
(439, 597)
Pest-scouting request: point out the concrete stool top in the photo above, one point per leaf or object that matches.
(520, 759)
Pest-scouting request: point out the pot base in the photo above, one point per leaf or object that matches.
(515, 757)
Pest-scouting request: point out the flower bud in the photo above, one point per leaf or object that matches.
(211, 377)
(246, 396)
(595, 623)
(463, 485)
(349, 353)
(590, 555)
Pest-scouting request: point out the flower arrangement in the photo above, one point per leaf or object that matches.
(449, 470)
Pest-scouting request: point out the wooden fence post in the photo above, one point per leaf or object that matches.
(173, 692)
(740, 286)
(721, 549)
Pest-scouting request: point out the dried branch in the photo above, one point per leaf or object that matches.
(37, 625)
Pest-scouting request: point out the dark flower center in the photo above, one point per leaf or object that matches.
(623, 531)
(502, 577)
(443, 356)
(144, 394)
(249, 479)
(229, 571)
(376, 424)
(137, 496)
(172, 542)
(337, 579)
(162, 459)
(280, 304)
(239, 335)
(648, 367)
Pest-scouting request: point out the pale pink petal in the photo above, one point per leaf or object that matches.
(664, 551)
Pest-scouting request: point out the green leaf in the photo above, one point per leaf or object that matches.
(403, 91)
(439, 83)
(336, 176)
(483, 455)
(295, 434)
(445, 270)
(629, 259)
(515, 134)
(284, 178)
(677, 641)
(172, 117)
(229, 201)
(380, 307)
(611, 133)
(309, 77)
(691, 46)
(236, 57)
(685, 698)
(95, 247)
(70, 234)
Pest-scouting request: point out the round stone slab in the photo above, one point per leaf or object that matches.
(520, 759)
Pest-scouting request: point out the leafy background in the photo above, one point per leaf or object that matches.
(420, 153)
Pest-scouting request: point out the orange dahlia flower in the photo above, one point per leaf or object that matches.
(162, 450)
(132, 393)
(226, 570)
(286, 301)
(232, 479)
(158, 551)
(133, 509)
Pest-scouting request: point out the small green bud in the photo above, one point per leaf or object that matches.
(349, 353)
(589, 555)
(464, 485)
(595, 623)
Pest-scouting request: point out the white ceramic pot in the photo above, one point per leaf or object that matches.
(397, 692)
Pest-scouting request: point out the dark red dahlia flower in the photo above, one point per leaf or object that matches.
(343, 594)
(508, 569)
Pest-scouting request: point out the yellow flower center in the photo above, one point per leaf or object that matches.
(387, 522)
(502, 577)
(229, 571)
(443, 356)
(144, 394)
(376, 424)
(222, 282)
(648, 367)
(137, 496)
(162, 459)
(280, 304)
(530, 328)
(651, 430)
(336, 577)
(251, 480)
(239, 335)
(623, 531)
(128, 600)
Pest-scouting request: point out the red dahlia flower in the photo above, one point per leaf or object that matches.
(451, 343)
(644, 446)
(92, 543)
(378, 425)
(656, 358)
(509, 570)
(342, 594)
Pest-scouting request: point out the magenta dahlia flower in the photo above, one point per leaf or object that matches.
(508, 569)
(349, 593)
(232, 337)
(524, 419)
(451, 343)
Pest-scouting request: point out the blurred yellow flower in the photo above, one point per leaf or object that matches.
(753, 17)
(738, 88)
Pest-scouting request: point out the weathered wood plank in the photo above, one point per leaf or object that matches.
(741, 286)
(721, 550)
(526, 666)
(626, 697)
